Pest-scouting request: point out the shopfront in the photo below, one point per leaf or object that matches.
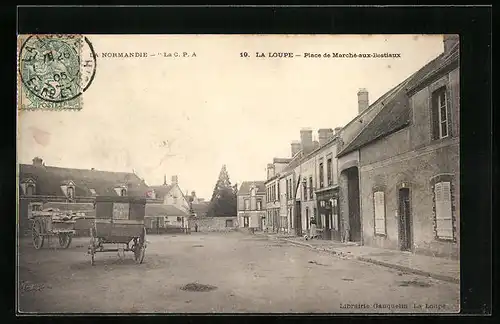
(328, 213)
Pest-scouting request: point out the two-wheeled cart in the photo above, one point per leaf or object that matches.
(118, 227)
(52, 223)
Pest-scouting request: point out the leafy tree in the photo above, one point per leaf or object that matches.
(223, 202)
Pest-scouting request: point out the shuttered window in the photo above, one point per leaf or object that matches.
(444, 221)
(379, 203)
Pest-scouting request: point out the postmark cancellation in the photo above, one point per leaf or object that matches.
(54, 71)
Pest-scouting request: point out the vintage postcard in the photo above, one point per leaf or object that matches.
(238, 174)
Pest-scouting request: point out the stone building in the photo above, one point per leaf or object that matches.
(348, 160)
(251, 202)
(275, 220)
(70, 190)
(399, 175)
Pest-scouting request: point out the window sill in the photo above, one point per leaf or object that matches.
(445, 240)
(380, 235)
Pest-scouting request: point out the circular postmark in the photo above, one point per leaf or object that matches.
(57, 68)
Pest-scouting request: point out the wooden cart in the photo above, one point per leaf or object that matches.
(119, 221)
(51, 223)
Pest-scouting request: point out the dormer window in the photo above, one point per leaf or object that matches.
(29, 187)
(252, 192)
(121, 191)
(30, 190)
(71, 192)
(68, 188)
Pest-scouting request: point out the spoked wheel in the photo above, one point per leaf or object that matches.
(140, 248)
(92, 246)
(36, 233)
(65, 240)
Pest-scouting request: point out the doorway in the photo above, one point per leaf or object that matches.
(405, 234)
(353, 204)
(298, 219)
(246, 221)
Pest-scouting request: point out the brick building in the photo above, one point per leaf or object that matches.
(400, 174)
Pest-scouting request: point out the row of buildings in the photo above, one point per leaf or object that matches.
(390, 178)
(74, 190)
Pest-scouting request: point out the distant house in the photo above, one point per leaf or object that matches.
(251, 202)
(160, 217)
(200, 210)
(40, 184)
(171, 194)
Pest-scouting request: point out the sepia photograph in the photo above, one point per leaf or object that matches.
(217, 173)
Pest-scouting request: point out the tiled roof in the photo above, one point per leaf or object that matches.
(49, 180)
(161, 191)
(421, 75)
(282, 160)
(163, 210)
(245, 187)
(200, 209)
(395, 115)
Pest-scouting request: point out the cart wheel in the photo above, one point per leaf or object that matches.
(140, 248)
(36, 233)
(92, 246)
(65, 240)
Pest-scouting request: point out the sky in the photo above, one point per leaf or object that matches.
(187, 116)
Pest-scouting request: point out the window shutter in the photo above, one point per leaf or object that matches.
(435, 115)
(444, 222)
(378, 198)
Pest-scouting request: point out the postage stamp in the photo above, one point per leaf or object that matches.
(54, 71)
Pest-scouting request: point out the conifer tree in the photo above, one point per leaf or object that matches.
(223, 202)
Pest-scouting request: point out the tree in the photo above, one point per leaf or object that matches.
(223, 202)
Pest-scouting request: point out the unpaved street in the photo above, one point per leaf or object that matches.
(243, 273)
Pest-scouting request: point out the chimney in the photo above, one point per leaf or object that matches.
(315, 144)
(295, 147)
(362, 100)
(164, 179)
(37, 161)
(174, 179)
(449, 41)
(337, 130)
(306, 140)
(270, 170)
(324, 134)
(193, 194)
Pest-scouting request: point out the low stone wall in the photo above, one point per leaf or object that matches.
(214, 224)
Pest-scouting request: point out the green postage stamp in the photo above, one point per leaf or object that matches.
(54, 71)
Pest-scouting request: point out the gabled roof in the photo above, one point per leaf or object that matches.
(49, 180)
(246, 185)
(395, 115)
(163, 210)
